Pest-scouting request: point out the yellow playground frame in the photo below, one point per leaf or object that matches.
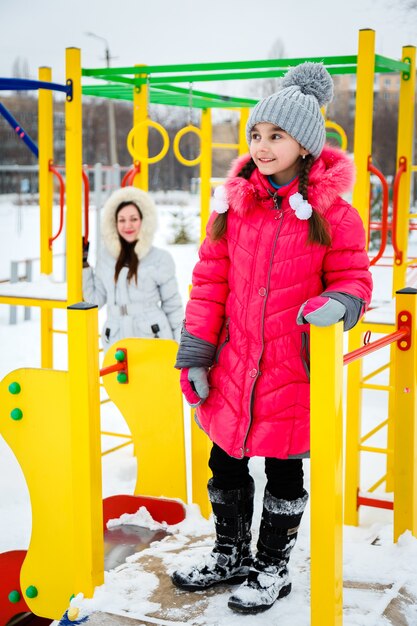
(142, 85)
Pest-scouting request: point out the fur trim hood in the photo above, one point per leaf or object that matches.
(332, 174)
(148, 228)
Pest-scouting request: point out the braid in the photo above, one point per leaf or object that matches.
(318, 226)
(305, 167)
(247, 169)
(219, 225)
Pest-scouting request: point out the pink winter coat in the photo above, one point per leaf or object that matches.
(247, 290)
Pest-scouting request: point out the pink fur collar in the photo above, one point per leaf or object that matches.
(331, 175)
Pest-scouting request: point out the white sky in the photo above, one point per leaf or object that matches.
(184, 31)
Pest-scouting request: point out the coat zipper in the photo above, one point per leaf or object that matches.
(281, 218)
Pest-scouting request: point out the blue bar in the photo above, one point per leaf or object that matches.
(23, 84)
(19, 130)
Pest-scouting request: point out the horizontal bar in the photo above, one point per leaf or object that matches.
(390, 64)
(106, 399)
(372, 449)
(377, 387)
(225, 146)
(30, 301)
(117, 367)
(204, 94)
(25, 84)
(59, 332)
(375, 345)
(161, 97)
(187, 78)
(221, 66)
(375, 502)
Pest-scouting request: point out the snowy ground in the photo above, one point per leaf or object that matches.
(130, 590)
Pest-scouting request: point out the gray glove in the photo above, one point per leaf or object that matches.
(194, 385)
(321, 311)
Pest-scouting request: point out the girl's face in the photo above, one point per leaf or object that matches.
(275, 152)
(129, 223)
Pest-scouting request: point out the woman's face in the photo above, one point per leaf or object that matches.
(129, 223)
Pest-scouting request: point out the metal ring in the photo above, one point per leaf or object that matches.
(148, 159)
(176, 145)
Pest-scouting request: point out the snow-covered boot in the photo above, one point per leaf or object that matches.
(268, 577)
(231, 557)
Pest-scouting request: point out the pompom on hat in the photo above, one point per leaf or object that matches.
(296, 106)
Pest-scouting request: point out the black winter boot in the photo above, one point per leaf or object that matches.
(268, 577)
(231, 557)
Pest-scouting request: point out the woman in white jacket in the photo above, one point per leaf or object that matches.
(136, 280)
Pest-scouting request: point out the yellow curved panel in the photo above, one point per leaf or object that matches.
(151, 403)
(40, 440)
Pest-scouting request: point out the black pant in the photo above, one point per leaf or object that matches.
(284, 476)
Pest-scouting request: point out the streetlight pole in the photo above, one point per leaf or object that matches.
(112, 144)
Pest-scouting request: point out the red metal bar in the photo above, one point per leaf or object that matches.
(402, 167)
(117, 367)
(86, 205)
(375, 502)
(384, 213)
(61, 201)
(376, 345)
(129, 177)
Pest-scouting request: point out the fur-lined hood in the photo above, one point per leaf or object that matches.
(332, 174)
(148, 228)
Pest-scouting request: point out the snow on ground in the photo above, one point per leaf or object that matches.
(128, 589)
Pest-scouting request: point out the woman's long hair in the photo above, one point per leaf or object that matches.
(127, 257)
(318, 225)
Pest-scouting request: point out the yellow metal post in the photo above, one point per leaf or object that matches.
(84, 393)
(405, 463)
(200, 471)
(363, 121)
(141, 134)
(362, 152)
(73, 168)
(326, 444)
(205, 169)
(243, 144)
(46, 155)
(404, 151)
(405, 142)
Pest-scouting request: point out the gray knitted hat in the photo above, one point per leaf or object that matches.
(296, 106)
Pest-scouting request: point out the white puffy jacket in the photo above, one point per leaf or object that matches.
(132, 309)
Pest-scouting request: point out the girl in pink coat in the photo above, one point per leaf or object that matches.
(283, 250)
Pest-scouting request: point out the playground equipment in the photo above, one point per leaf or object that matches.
(326, 459)
(144, 84)
(51, 421)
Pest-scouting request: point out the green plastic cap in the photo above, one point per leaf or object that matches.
(31, 591)
(14, 388)
(122, 377)
(14, 597)
(16, 414)
(120, 355)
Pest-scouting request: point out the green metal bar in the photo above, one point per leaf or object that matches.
(194, 67)
(205, 94)
(332, 135)
(235, 76)
(384, 63)
(165, 97)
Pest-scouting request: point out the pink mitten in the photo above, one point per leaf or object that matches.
(194, 385)
(321, 311)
